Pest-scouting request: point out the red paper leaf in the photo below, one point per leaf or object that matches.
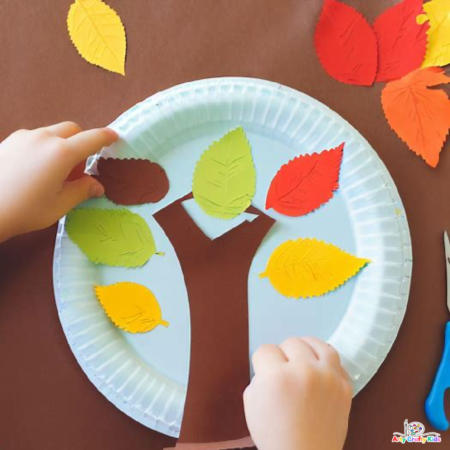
(132, 181)
(402, 42)
(305, 183)
(346, 44)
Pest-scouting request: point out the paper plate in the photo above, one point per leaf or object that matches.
(146, 375)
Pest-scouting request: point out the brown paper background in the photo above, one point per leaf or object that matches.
(46, 402)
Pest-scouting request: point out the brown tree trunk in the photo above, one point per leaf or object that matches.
(216, 277)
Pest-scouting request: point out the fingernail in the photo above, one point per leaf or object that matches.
(96, 190)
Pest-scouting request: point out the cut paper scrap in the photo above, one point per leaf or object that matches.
(309, 268)
(111, 237)
(131, 307)
(98, 34)
(225, 178)
(420, 116)
(401, 40)
(305, 183)
(224, 445)
(132, 181)
(212, 227)
(437, 13)
(346, 44)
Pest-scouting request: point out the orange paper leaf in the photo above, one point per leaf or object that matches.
(420, 116)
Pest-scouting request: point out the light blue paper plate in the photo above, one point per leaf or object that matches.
(146, 375)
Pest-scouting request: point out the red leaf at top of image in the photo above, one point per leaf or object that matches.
(132, 181)
(402, 42)
(346, 44)
(305, 183)
(420, 116)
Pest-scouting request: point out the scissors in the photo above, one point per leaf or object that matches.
(434, 405)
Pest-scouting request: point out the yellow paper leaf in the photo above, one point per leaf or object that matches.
(98, 34)
(131, 307)
(437, 13)
(309, 268)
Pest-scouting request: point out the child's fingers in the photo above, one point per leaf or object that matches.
(296, 348)
(76, 192)
(267, 355)
(89, 142)
(64, 129)
(324, 351)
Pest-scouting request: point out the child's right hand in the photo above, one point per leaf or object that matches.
(299, 398)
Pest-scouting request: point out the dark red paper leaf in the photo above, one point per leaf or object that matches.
(305, 183)
(77, 172)
(346, 44)
(402, 42)
(132, 181)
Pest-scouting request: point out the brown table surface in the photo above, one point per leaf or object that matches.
(46, 401)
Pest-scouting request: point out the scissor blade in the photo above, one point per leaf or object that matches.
(447, 265)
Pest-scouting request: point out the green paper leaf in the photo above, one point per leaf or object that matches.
(111, 237)
(225, 177)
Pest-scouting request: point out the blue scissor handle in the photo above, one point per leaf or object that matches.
(434, 405)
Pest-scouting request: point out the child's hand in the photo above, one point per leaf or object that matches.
(299, 398)
(34, 166)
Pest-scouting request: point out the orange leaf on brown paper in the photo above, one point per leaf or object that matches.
(420, 116)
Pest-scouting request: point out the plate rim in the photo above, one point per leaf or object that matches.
(404, 234)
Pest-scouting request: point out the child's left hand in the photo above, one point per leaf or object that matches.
(34, 167)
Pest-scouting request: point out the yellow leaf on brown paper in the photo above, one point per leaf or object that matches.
(309, 268)
(437, 13)
(131, 307)
(98, 34)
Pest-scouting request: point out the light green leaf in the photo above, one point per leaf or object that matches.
(115, 237)
(225, 177)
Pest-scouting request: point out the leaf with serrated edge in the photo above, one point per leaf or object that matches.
(420, 116)
(132, 181)
(131, 307)
(114, 237)
(98, 34)
(305, 183)
(437, 13)
(346, 44)
(309, 268)
(401, 40)
(225, 178)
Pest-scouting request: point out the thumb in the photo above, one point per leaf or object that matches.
(78, 191)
